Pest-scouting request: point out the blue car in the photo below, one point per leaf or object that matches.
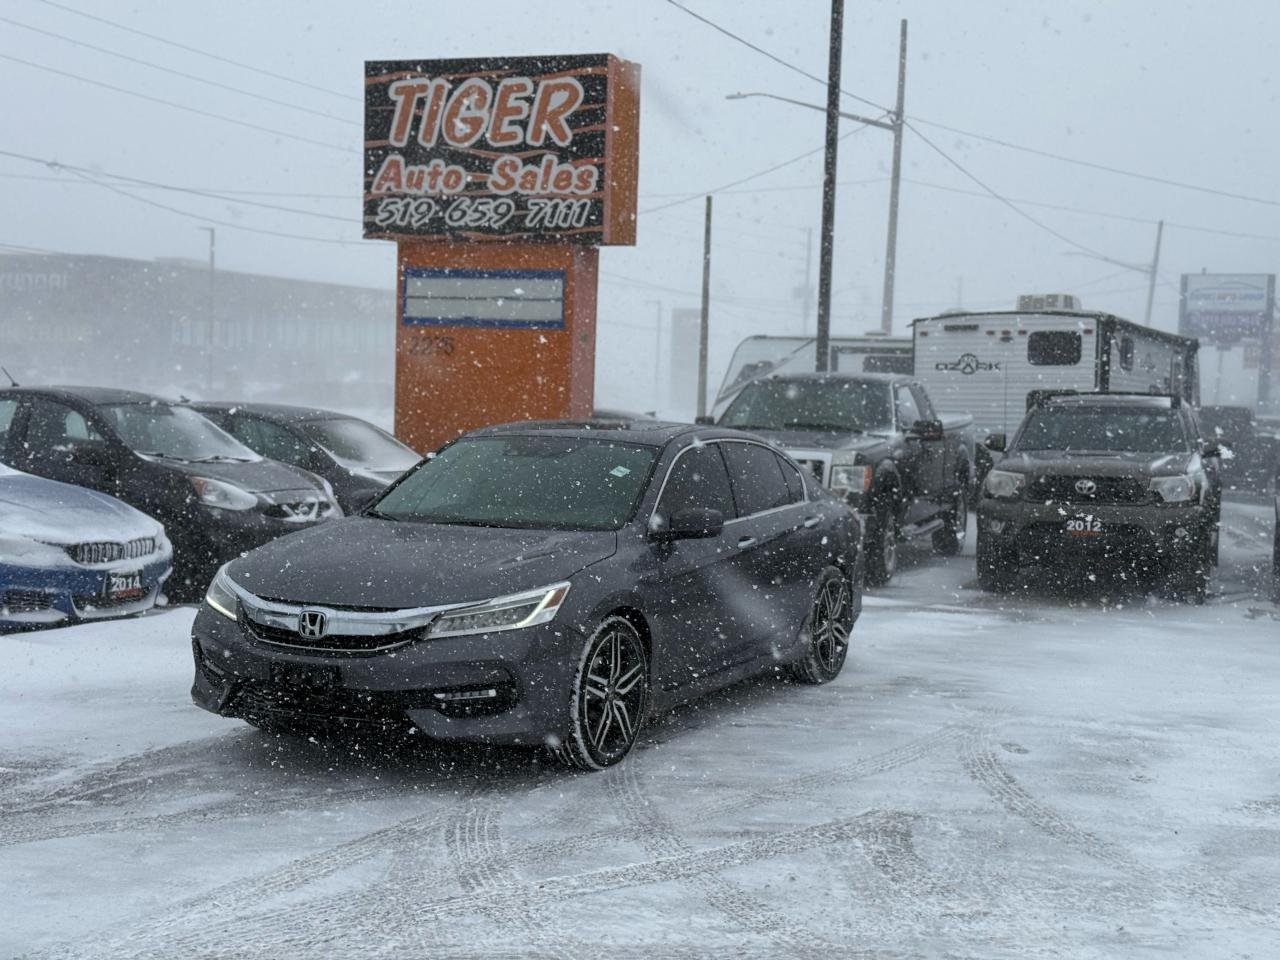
(69, 554)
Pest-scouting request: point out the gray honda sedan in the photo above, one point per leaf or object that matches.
(547, 584)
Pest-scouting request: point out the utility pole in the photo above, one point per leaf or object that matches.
(891, 244)
(1155, 269)
(210, 340)
(706, 314)
(826, 244)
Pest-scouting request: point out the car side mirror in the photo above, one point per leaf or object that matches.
(1214, 448)
(926, 430)
(705, 421)
(996, 442)
(691, 523)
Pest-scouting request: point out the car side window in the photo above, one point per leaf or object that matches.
(278, 443)
(7, 409)
(698, 479)
(795, 483)
(908, 412)
(54, 428)
(756, 475)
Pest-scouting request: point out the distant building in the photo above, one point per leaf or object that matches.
(170, 327)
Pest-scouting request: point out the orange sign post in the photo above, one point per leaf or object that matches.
(498, 179)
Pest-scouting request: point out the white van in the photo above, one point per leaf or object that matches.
(987, 364)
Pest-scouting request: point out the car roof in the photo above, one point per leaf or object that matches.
(829, 375)
(649, 432)
(283, 412)
(92, 395)
(1110, 400)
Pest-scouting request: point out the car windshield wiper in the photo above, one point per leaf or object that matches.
(161, 456)
(221, 458)
(378, 514)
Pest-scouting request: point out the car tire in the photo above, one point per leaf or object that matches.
(997, 571)
(949, 540)
(1275, 565)
(827, 627)
(1190, 583)
(609, 699)
(882, 545)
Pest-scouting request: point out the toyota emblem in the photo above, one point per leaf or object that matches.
(1086, 487)
(312, 624)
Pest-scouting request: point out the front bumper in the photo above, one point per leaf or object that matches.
(530, 672)
(1138, 536)
(36, 596)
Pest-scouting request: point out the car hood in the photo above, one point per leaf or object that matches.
(1060, 463)
(256, 476)
(819, 439)
(365, 562)
(34, 508)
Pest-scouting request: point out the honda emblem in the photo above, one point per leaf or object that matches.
(312, 624)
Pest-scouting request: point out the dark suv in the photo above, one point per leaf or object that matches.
(1103, 481)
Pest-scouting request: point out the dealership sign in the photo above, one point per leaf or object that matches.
(1227, 308)
(529, 148)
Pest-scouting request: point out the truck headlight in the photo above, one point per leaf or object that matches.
(850, 477)
(223, 495)
(512, 612)
(221, 596)
(1003, 485)
(1177, 489)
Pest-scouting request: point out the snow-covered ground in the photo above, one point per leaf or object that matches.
(1037, 776)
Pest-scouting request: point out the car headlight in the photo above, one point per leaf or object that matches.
(1003, 485)
(512, 612)
(1177, 489)
(221, 595)
(223, 495)
(850, 477)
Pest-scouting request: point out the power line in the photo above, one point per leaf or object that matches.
(1118, 171)
(177, 106)
(196, 50)
(211, 190)
(776, 59)
(1008, 203)
(154, 184)
(750, 177)
(180, 73)
(195, 216)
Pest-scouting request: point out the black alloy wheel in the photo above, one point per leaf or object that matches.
(949, 540)
(609, 698)
(829, 624)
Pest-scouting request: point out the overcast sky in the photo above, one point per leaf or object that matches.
(1176, 91)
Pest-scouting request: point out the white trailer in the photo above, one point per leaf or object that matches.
(762, 356)
(987, 364)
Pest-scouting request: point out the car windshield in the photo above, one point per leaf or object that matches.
(1103, 429)
(844, 405)
(360, 444)
(531, 482)
(174, 433)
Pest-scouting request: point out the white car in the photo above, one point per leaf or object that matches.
(69, 554)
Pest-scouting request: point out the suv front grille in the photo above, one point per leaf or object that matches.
(1056, 489)
(107, 551)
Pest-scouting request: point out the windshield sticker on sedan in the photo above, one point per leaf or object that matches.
(619, 471)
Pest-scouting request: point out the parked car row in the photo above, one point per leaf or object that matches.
(209, 495)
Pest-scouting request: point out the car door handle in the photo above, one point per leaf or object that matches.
(810, 522)
(746, 542)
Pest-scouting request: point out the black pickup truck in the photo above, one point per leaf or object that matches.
(876, 441)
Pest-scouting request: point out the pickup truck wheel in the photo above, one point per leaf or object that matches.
(829, 624)
(949, 540)
(996, 569)
(1190, 582)
(882, 546)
